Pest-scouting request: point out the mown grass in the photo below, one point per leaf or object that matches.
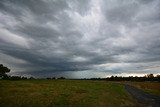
(149, 87)
(63, 93)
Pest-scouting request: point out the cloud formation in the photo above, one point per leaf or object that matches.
(80, 38)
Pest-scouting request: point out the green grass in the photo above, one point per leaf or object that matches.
(63, 93)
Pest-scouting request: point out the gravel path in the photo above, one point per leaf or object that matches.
(143, 97)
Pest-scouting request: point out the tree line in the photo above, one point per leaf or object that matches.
(149, 77)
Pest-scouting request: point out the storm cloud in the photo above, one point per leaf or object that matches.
(80, 38)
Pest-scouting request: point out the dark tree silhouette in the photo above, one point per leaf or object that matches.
(3, 71)
(61, 78)
(150, 75)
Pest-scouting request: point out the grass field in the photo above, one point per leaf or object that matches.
(149, 87)
(63, 93)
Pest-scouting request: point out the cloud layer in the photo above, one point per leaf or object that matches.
(80, 38)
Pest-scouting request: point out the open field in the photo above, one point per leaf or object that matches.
(149, 87)
(52, 93)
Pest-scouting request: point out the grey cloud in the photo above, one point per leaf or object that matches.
(145, 1)
(81, 7)
(41, 7)
(122, 14)
(75, 37)
(148, 13)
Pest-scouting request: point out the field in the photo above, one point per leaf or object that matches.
(63, 93)
(149, 87)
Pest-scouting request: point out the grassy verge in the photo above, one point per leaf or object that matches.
(149, 87)
(63, 93)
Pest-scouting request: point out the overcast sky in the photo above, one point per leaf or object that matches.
(80, 38)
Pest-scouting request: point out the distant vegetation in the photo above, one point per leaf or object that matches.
(112, 78)
(3, 71)
(148, 77)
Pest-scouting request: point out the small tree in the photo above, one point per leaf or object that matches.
(150, 75)
(3, 71)
(158, 76)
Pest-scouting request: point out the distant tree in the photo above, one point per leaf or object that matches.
(61, 78)
(15, 78)
(150, 75)
(3, 71)
(31, 78)
(158, 76)
(53, 78)
(48, 78)
(23, 78)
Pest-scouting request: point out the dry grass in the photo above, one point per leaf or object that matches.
(63, 93)
(150, 87)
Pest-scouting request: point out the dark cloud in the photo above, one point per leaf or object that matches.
(86, 38)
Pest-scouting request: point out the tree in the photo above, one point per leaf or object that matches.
(158, 76)
(150, 75)
(61, 78)
(3, 71)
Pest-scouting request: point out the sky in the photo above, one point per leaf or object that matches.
(80, 38)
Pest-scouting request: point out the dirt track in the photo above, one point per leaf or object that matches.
(143, 97)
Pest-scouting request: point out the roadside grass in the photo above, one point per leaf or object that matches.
(149, 87)
(63, 93)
